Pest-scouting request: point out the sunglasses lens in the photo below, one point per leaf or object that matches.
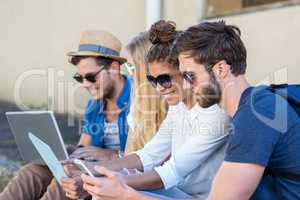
(152, 80)
(188, 77)
(91, 78)
(78, 78)
(164, 80)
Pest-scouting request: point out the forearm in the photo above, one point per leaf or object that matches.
(145, 181)
(236, 181)
(85, 140)
(135, 195)
(131, 161)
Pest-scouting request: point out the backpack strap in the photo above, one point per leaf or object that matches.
(291, 94)
(282, 174)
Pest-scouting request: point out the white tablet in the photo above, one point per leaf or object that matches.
(48, 157)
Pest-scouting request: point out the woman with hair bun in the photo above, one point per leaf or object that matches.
(195, 137)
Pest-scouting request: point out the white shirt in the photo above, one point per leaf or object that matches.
(111, 138)
(196, 140)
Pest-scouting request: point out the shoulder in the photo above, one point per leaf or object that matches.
(212, 121)
(212, 114)
(264, 109)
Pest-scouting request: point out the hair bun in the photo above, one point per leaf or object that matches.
(162, 32)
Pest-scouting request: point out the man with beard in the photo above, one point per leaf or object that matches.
(262, 159)
(105, 128)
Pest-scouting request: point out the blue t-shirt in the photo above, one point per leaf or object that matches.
(266, 131)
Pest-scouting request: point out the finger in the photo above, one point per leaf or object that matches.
(67, 170)
(63, 179)
(90, 158)
(71, 170)
(72, 183)
(88, 179)
(82, 156)
(92, 190)
(91, 180)
(67, 180)
(70, 191)
(67, 162)
(69, 186)
(75, 155)
(87, 188)
(77, 151)
(105, 172)
(74, 190)
(71, 195)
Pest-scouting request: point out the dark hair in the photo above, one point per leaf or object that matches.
(162, 34)
(211, 42)
(101, 61)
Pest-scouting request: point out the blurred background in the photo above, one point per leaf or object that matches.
(35, 36)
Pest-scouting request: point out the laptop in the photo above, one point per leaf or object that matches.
(45, 127)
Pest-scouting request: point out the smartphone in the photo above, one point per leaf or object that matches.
(82, 166)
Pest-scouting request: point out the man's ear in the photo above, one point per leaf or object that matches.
(221, 69)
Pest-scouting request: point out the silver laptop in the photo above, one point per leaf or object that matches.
(44, 126)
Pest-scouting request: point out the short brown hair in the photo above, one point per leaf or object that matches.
(101, 61)
(211, 42)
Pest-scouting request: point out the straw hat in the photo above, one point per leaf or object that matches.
(99, 43)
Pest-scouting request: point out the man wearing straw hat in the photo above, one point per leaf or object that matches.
(105, 128)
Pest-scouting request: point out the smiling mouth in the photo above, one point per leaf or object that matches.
(169, 93)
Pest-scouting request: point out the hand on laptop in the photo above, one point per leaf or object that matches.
(91, 153)
(71, 168)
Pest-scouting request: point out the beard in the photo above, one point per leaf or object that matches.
(109, 90)
(210, 94)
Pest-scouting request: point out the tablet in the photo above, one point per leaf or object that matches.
(48, 157)
(44, 126)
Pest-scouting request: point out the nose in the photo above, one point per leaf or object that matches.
(86, 84)
(186, 85)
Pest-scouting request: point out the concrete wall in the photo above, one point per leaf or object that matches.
(273, 43)
(184, 13)
(36, 35)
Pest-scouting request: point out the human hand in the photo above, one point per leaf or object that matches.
(92, 153)
(72, 169)
(73, 185)
(109, 187)
(74, 188)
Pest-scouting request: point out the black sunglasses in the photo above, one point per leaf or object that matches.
(90, 77)
(189, 77)
(165, 80)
